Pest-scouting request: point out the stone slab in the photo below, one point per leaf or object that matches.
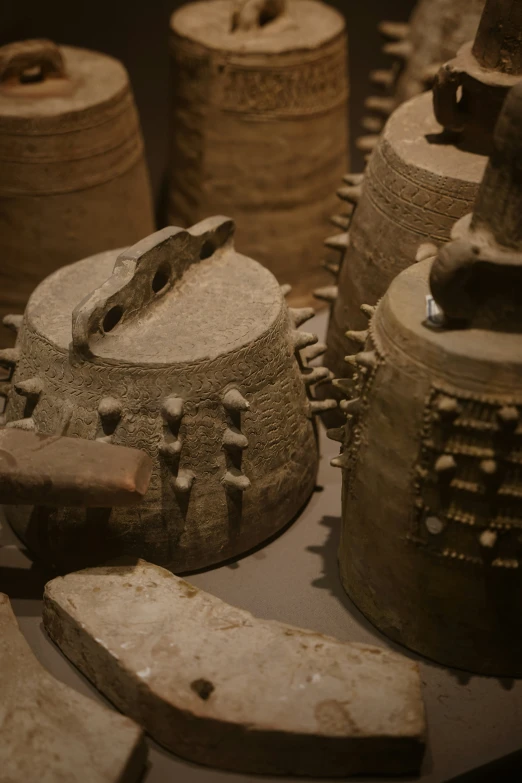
(50, 733)
(223, 688)
(53, 470)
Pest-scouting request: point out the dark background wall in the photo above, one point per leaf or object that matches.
(136, 32)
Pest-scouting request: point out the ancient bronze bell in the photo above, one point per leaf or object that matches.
(259, 127)
(431, 543)
(419, 179)
(187, 350)
(73, 179)
(436, 31)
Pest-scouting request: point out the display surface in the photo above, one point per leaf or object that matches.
(49, 731)
(223, 688)
(258, 129)
(187, 350)
(73, 180)
(472, 720)
(434, 429)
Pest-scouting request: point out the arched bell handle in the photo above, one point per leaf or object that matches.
(451, 280)
(446, 101)
(28, 62)
(253, 14)
(143, 275)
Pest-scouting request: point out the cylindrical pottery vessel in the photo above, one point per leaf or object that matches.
(422, 177)
(431, 543)
(187, 350)
(259, 127)
(435, 32)
(73, 180)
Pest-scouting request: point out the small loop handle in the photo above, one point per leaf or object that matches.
(445, 98)
(31, 61)
(450, 275)
(252, 14)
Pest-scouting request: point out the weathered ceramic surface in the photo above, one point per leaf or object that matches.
(49, 732)
(73, 180)
(435, 429)
(259, 128)
(434, 34)
(422, 176)
(203, 371)
(221, 687)
(52, 470)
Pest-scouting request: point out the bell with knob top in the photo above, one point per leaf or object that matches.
(421, 179)
(259, 126)
(187, 350)
(73, 179)
(431, 543)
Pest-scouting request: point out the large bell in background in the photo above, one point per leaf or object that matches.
(431, 543)
(259, 127)
(436, 31)
(187, 350)
(73, 179)
(419, 179)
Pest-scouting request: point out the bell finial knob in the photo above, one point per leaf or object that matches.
(498, 43)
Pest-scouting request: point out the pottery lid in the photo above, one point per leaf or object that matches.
(175, 297)
(292, 25)
(44, 86)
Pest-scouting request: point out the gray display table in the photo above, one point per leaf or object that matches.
(471, 720)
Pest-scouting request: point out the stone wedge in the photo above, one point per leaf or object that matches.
(216, 685)
(52, 470)
(51, 733)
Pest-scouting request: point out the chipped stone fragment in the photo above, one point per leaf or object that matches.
(51, 733)
(220, 687)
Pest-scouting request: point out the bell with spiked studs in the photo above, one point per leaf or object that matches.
(431, 532)
(188, 350)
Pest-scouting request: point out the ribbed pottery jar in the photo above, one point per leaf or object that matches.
(73, 179)
(185, 349)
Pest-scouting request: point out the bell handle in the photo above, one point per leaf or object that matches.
(446, 104)
(27, 62)
(142, 276)
(450, 276)
(252, 14)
